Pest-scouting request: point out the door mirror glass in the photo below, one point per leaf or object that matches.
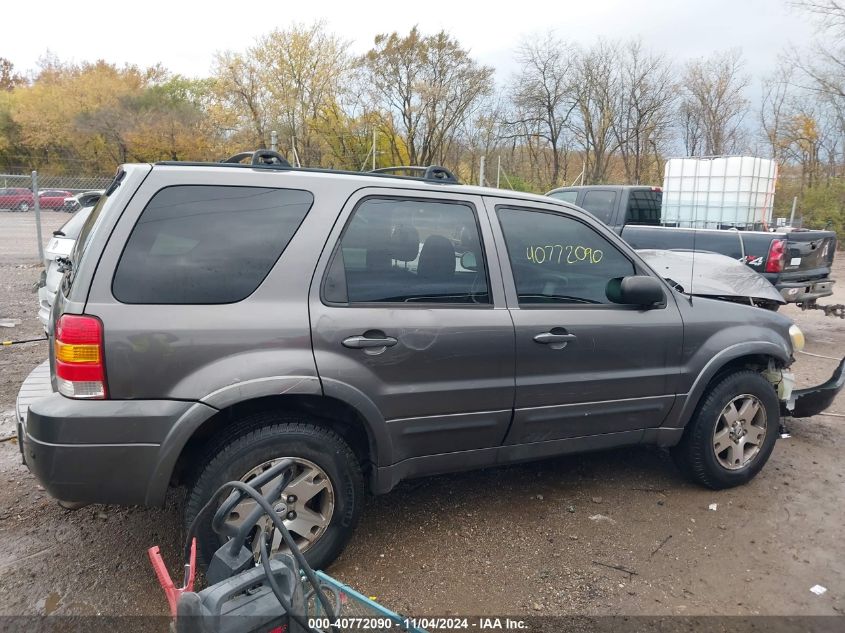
(638, 290)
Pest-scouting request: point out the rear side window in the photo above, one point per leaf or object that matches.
(202, 244)
(600, 203)
(409, 251)
(644, 207)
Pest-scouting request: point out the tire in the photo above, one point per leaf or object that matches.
(22, 206)
(743, 452)
(259, 438)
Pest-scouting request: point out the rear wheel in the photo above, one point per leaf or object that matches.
(733, 432)
(320, 506)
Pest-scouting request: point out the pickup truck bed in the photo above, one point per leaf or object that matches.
(796, 262)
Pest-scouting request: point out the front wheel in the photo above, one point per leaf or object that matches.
(733, 432)
(322, 503)
(23, 206)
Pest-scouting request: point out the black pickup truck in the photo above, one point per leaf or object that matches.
(797, 262)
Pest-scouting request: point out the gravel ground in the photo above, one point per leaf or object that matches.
(609, 533)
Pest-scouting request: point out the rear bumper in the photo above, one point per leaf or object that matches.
(105, 451)
(804, 403)
(800, 291)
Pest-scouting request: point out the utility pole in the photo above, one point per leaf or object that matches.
(481, 173)
(374, 149)
(498, 170)
(293, 147)
(274, 141)
(792, 215)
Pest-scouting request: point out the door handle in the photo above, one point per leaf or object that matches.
(364, 342)
(555, 339)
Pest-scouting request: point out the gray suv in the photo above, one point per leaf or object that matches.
(215, 318)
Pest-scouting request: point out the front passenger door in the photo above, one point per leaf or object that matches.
(584, 365)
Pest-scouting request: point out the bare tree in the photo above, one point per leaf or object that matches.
(595, 89)
(645, 108)
(542, 102)
(823, 69)
(713, 104)
(430, 85)
(774, 109)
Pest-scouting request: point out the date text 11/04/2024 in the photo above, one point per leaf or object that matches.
(422, 623)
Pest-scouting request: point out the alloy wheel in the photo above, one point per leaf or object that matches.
(740, 432)
(306, 505)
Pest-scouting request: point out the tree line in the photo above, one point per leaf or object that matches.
(610, 112)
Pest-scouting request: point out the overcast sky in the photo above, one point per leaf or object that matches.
(184, 34)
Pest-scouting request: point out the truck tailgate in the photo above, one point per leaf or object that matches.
(809, 253)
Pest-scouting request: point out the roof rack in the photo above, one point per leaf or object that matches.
(259, 157)
(432, 172)
(271, 159)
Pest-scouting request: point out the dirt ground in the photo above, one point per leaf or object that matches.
(520, 540)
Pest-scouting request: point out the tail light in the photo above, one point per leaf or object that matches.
(80, 372)
(777, 256)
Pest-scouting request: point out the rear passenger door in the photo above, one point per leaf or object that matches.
(408, 315)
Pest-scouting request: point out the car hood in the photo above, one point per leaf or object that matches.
(706, 274)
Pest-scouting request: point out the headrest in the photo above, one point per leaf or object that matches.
(437, 258)
(404, 243)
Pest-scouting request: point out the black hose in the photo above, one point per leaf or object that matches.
(288, 539)
(277, 591)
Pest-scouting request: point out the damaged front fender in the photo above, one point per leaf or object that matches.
(804, 403)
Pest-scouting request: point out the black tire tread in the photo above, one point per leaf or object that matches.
(689, 454)
(249, 430)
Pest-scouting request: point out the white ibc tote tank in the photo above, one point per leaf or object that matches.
(719, 192)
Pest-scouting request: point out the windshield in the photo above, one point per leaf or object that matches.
(89, 227)
(73, 226)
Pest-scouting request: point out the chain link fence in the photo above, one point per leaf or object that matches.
(37, 193)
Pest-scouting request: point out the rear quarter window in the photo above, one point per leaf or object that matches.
(204, 244)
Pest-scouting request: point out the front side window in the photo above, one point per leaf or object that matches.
(204, 244)
(409, 251)
(557, 259)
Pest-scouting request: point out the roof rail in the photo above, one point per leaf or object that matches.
(432, 172)
(270, 159)
(259, 157)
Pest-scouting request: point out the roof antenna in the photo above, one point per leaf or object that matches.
(694, 224)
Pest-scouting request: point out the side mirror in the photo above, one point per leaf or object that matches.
(637, 290)
(469, 262)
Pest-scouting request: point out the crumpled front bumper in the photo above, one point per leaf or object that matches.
(804, 403)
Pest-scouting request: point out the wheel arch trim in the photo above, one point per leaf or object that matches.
(199, 413)
(718, 362)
